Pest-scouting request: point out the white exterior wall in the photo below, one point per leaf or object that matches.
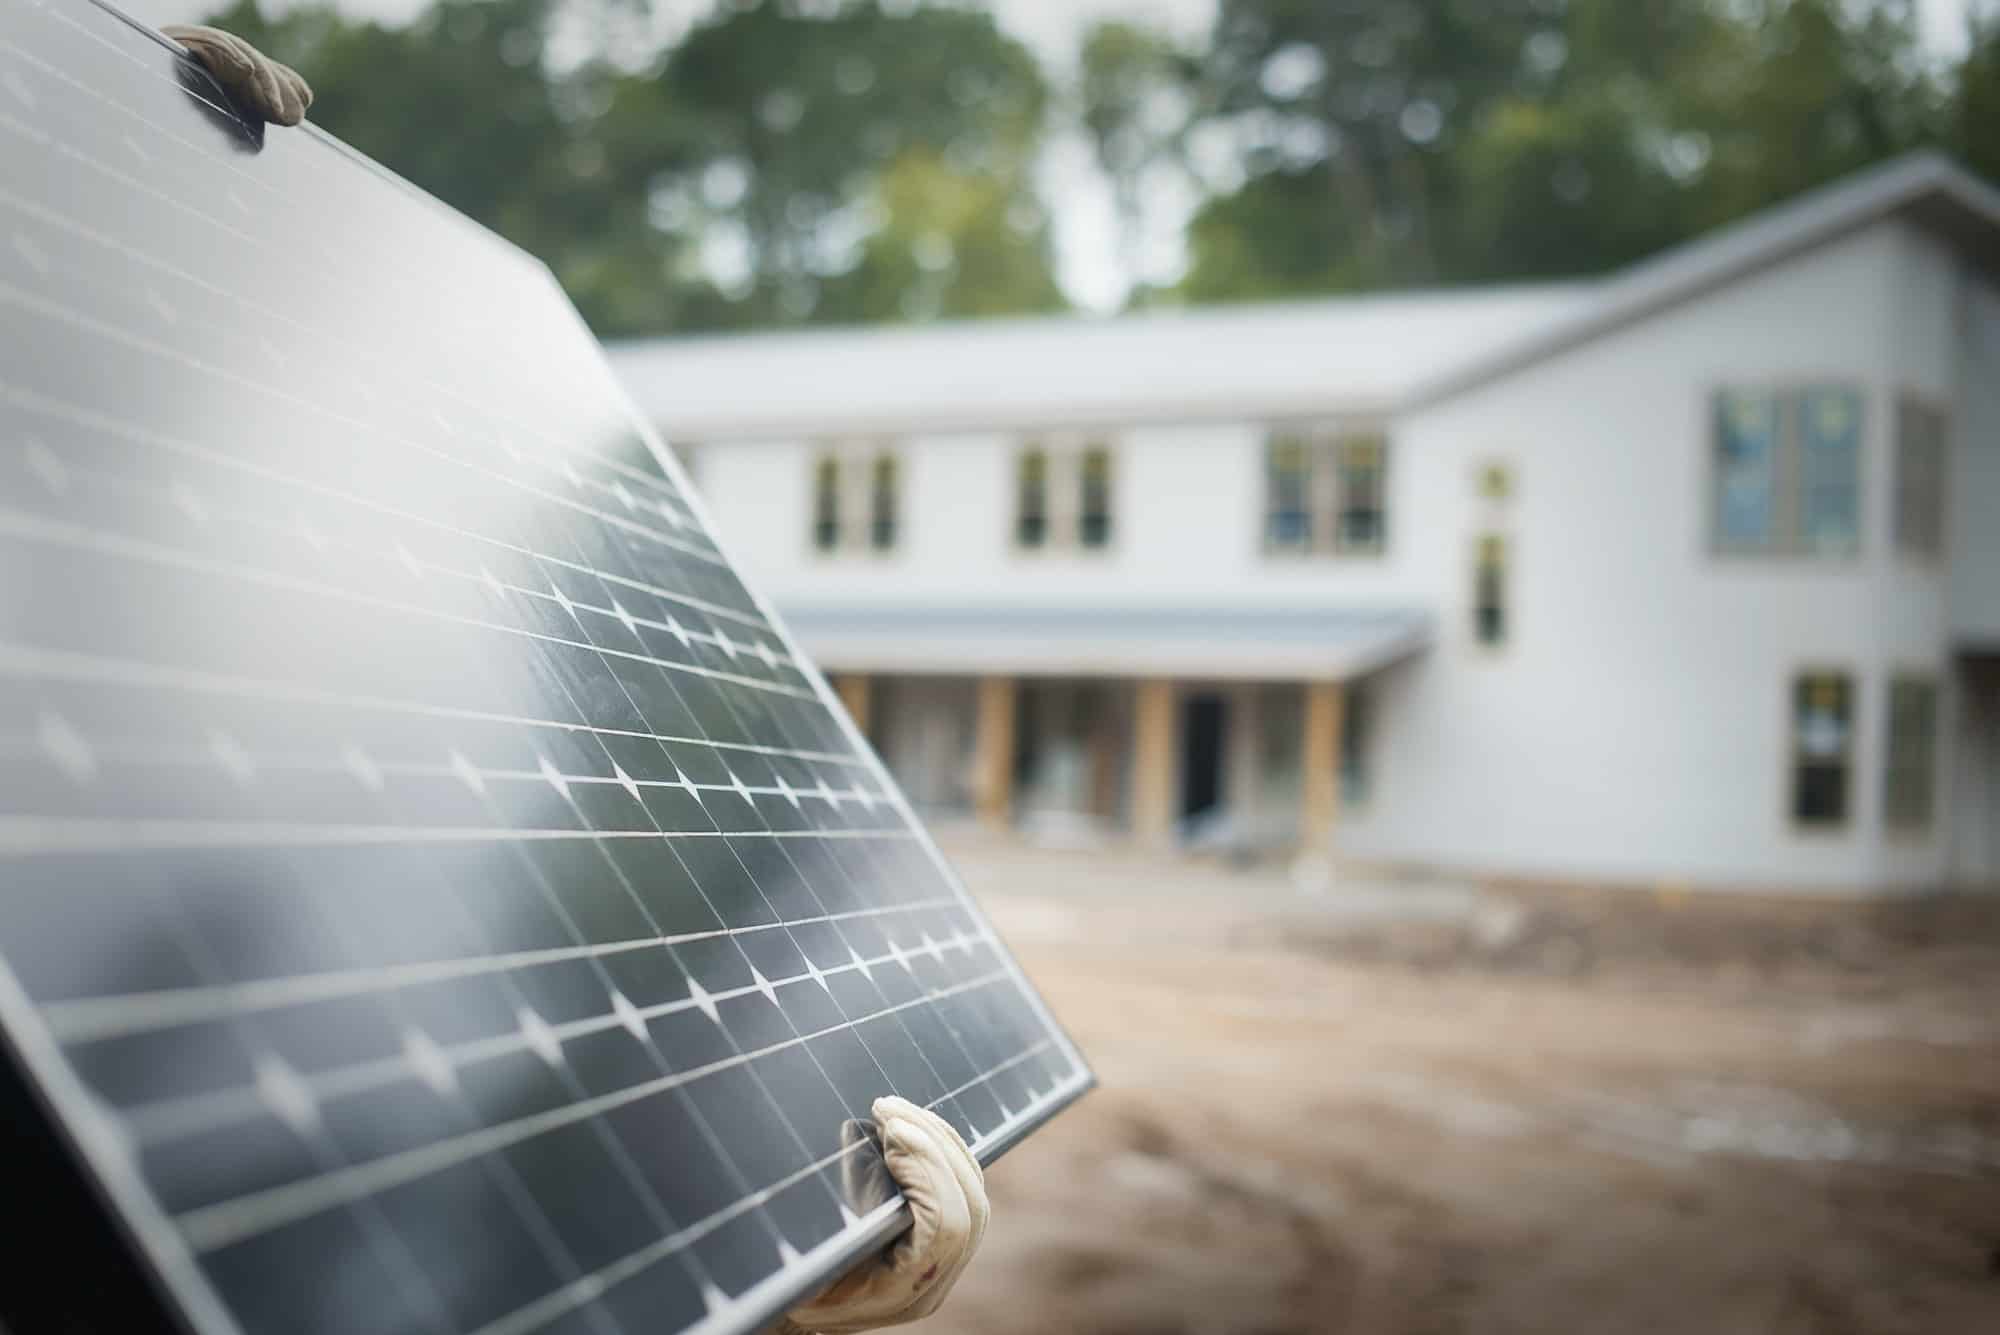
(1975, 471)
(1635, 727)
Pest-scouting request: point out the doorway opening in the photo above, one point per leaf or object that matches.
(1204, 724)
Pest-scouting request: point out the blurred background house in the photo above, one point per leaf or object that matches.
(1500, 460)
(1686, 574)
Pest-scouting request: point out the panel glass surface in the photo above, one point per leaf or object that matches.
(434, 893)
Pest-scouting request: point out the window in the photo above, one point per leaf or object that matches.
(1909, 788)
(856, 501)
(1830, 471)
(826, 503)
(1359, 464)
(1354, 734)
(1288, 480)
(1063, 496)
(1031, 489)
(882, 503)
(1489, 591)
(1094, 513)
(1920, 465)
(1788, 471)
(1325, 493)
(1822, 748)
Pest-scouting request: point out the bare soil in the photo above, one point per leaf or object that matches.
(1420, 1110)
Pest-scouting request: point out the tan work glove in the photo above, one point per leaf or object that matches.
(947, 1195)
(260, 85)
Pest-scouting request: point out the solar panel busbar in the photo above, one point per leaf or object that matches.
(435, 892)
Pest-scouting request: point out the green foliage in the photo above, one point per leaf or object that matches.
(777, 165)
(1401, 142)
(802, 161)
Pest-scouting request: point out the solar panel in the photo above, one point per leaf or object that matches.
(435, 893)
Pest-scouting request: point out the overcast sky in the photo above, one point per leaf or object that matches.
(1086, 235)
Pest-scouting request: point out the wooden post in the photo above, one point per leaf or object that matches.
(993, 790)
(1155, 760)
(853, 690)
(1319, 763)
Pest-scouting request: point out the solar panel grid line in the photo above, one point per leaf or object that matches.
(375, 371)
(532, 1318)
(52, 310)
(755, 647)
(43, 834)
(183, 757)
(411, 274)
(32, 527)
(114, 1016)
(231, 1221)
(30, 661)
(175, 1116)
(24, 397)
(166, 1119)
(802, 927)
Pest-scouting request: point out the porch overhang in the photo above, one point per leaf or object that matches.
(1314, 643)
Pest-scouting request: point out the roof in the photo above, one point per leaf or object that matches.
(1230, 643)
(1348, 354)
(1928, 189)
(1362, 355)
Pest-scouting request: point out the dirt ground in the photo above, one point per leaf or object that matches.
(1418, 1109)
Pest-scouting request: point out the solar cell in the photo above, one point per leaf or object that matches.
(435, 893)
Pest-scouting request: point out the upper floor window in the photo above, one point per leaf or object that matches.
(1788, 471)
(1909, 787)
(1031, 498)
(1920, 468)
(826, 503)
(1063, 496)
(1093, 524)
(1822, 748)
(1288, 503)
(856, 501)
(882, 502)
(1326, 492)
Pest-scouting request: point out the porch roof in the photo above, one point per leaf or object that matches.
(1293, 643)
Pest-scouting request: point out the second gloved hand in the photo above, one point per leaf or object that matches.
(947, 1196)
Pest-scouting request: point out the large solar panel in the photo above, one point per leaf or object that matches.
(435, 893)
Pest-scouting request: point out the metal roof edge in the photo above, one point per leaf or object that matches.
(1696, 267)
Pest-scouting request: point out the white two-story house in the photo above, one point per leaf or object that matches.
(1686, 575)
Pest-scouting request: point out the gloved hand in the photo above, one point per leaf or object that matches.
(260, 85)
(947, 1195)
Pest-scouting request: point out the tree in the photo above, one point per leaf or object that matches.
(776, 166)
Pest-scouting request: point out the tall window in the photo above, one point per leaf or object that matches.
(1288, 486)
(1325, 493)
(1094, 509)
(1920, 465)
(1489, 591)
(826, 503)
(1822, 748)
(1788, 471)
(1031, 503)
(1359, 472)
(1909, 787)
(882, 502)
